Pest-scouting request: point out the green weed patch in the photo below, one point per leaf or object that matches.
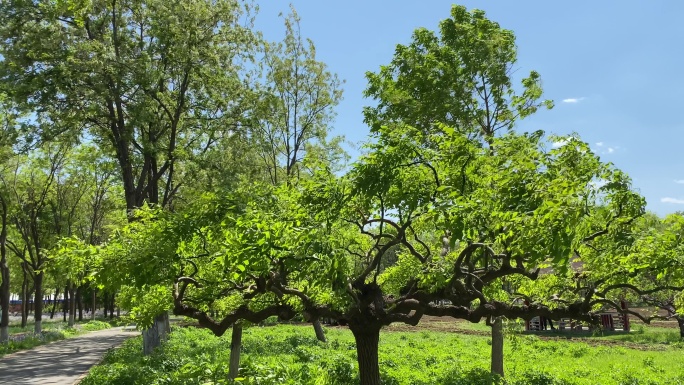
(292, 355)
(23, 338)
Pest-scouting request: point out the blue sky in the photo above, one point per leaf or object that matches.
(613, 67)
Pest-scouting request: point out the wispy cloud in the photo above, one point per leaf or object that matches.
(679, 181)
(573, 100)
(672, 200)
(603, 148)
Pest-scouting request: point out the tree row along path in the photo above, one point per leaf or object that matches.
(62, 362)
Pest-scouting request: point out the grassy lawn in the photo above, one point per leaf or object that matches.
(288, 354)
(48, 325)
(53, 330)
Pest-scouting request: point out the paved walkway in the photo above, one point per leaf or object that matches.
(62, 362)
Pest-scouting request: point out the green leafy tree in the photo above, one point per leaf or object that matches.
(467, 206)
(228, 259)
(287, 138)
(647, 267)
(152, 82)
(297, 106)
(296, 110)
(623, 259)
(7, 140)
(461, 77)
(661, 249)
(102, 207)
(155, 83)
(72, 260)
(505, 214)
(32, 180)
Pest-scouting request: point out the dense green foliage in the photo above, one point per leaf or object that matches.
(289, 355)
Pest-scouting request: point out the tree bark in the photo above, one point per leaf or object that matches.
(105, 300)
(65, 305)
(4, 333)
(235, 346)
(318, 328)
(497, 347)
(79, 302)
(111, 308)
(4, 277)
(156, 334)
(24, 298)
(54, 304)
(92, 310)
(367, 340)
(72, 305)
(680, 321)
(38, 303)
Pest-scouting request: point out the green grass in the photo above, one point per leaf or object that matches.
(50, 325)
(648, 335)
(23, 338)
(291, 355)
(640, 335)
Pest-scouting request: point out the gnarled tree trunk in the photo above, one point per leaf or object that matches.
(235, 346)
(497, 347)
(680, 321)
(367, 340)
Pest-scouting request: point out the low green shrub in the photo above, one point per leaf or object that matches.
(94, 325)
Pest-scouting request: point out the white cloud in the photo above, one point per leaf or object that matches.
(672, 200)
(679, 181)
(599, 144)
(560, 143)
(573, 100)
(611, 150)
(597, 184)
